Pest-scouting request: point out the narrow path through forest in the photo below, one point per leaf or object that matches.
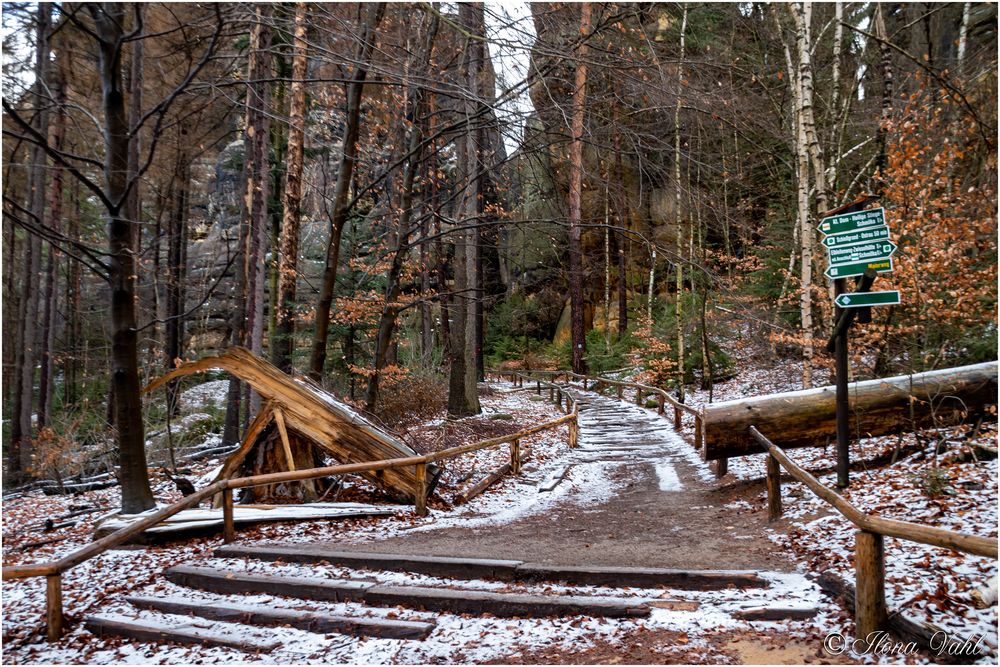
(664, 514)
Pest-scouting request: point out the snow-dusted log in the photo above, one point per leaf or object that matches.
(878, 407)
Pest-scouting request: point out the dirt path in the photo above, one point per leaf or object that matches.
(663, 511)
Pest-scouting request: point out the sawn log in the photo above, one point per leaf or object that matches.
(878, 407)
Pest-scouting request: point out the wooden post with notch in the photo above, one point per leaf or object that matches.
(773, 489)
(870, 613)
(53, 607)
(228, 528)
(420, 490)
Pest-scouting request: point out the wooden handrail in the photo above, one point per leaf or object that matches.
(623, 383)
(53, 570)
(904, 530)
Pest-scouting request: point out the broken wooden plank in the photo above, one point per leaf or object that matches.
(150, 631)
(309, 620)
(489, 480)
(556, 476)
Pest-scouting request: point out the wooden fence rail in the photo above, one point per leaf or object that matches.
(870, 613)
(54, 570)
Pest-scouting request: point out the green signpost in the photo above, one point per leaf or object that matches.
(871, 251)
(859, 236)
(858, 268)
(849, 222)
(866, 299)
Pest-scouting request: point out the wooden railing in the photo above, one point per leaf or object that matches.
(593, 383)
(54, 570)
(870, 612)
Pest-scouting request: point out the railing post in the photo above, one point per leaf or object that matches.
(574, 433)
(420, 492)
(869, 565)
(585, 383)
(659, 404)
(619, 387)
(515, 457)
(538, 387)
(721, 468)
(677, 418)
(638, 396)
(228, 529)
(773, 488)
(552, 395)
(53, 607)
(697, 432)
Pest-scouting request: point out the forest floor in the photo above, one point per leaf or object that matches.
(663, 512)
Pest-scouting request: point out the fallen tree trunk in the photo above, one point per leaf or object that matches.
(877, 407)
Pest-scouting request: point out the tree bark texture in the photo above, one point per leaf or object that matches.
(365, 48)
(576, 305)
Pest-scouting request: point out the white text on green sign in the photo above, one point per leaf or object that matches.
(862, 252)
(848, 222)
(858, 236)
(858, 268)
(866, 299)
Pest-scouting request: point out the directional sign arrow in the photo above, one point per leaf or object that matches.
(865, 299)
(859, 252)
(857, 268)
(858, 236)
(848, 222)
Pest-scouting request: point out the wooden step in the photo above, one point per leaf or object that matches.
(462, 601)
(505, 570)
(150, 631)
(308, 588)
(435, 599)
(310, 620)
(436, 566)
(641, 577)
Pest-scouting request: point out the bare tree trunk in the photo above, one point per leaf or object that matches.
(887, 88)
(579, 341)
(679, 247)
(621, 219)
(281, 344)
(134, 476)
(805, 243)
(173, 335)
(463, 394)
(47, 337)
(390, 311)
(20, 453)
(363, 59)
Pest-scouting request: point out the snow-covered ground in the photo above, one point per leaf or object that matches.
(927, 583)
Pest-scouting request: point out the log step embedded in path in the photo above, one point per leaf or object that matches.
(456, 601)
(504, 570)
